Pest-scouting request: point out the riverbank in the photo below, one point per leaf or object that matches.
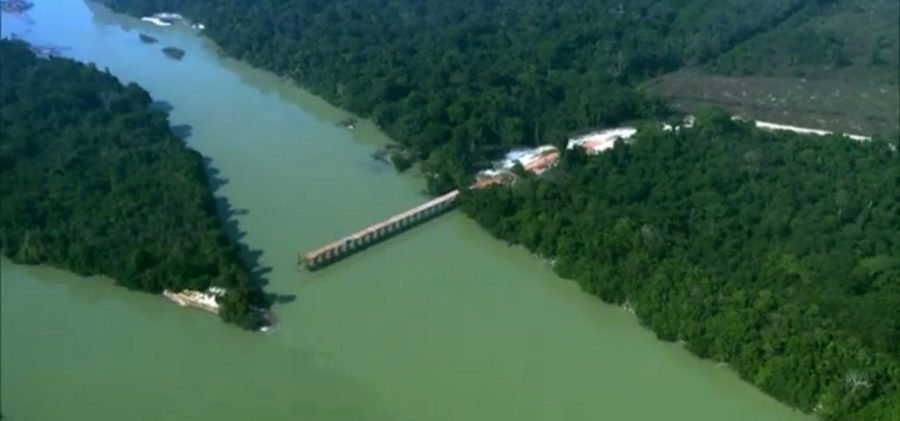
(165, 19)
(15, 6)
(141, 237)
(355, 342)
(204, 300)
(662, 250)
(210, 301)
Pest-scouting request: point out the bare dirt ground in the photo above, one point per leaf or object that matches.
(789, 74)
(847, 104)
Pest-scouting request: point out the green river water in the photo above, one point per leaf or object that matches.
(441, 323)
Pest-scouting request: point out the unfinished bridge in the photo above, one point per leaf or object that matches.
(359, 240)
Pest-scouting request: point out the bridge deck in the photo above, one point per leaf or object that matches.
(536, 166)
(375, 227)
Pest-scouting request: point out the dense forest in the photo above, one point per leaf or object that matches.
(458, 82)
(823, 37)
(777, 253)
(94, 181)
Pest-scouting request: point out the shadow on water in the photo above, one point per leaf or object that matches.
(228, 214)
(383, 238)
(164, 106)
(183, 131)
(375, 167)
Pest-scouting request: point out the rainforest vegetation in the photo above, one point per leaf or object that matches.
(831, 65)
(459, 82)
(777, 253)
(94, 181)
(853, 38)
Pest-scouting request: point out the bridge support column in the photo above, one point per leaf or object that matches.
(378, 232)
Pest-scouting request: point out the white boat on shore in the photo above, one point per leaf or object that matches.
(169, 16)
(156, 21)
(204, 300)
(168, 19)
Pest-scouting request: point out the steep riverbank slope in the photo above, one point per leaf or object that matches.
(94, 181)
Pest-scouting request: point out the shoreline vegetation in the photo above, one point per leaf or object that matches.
(348, 123)
(773, 252)
(15, 6)
(793, 285)
(94, 181)
(459, 84)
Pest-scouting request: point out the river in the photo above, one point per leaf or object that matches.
(441, 323)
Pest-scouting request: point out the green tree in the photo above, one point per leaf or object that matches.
(94, 181)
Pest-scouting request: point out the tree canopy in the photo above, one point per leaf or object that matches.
(94, 181)
(459, 82)
(775, 252)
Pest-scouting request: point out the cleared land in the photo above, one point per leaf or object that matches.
(834, 67)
